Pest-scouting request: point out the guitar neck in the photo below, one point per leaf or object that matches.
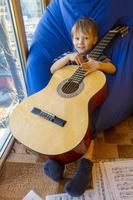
(103, 44)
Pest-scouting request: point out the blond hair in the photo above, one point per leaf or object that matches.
(85, 25)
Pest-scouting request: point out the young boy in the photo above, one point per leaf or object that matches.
(84, 37)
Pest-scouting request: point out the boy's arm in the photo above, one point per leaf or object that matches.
(107, 67)
(63, 61)
(59, 64)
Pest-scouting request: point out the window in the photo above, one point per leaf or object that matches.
(12, 59)
(12, 88)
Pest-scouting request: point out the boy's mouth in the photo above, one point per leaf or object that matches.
(81, 48)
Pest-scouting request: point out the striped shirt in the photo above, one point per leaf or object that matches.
(103, 58)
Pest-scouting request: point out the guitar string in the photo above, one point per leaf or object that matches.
(74, 84)
(69, 86)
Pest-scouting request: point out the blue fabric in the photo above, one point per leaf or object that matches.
(52, 38)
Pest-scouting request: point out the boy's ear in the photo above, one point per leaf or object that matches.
(95, 40)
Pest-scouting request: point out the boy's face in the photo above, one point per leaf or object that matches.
(83, 41)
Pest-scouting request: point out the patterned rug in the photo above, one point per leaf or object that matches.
(22, 170)
(17, 179)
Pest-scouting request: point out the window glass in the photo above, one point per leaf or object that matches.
(32, 11)
(12, 87)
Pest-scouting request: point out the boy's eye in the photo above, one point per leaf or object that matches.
(76, 38)
(86, 38)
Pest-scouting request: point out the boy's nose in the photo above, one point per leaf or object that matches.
(81, 40)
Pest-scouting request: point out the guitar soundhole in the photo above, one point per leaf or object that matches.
(70, 87)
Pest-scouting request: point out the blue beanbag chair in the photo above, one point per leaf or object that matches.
(53, 37)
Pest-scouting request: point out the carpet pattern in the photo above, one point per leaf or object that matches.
(22, 170)
(17, 179)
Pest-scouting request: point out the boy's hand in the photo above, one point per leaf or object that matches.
(72, 57)
(63, 61)
(106, 67)
(92, 65)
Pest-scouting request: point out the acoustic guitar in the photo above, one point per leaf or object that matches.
(57, 121)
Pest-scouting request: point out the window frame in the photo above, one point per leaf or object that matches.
(19, 31)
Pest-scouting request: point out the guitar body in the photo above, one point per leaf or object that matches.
(71, 141)
(57, 121)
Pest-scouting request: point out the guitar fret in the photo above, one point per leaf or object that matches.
(109, 37)
(97, 49)
(96, 57)
(104, 42)
(78, 76)
(111, 33)
(77, 80)
(79, 72)
(95, 53)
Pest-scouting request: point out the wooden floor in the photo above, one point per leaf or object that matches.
(23, 169)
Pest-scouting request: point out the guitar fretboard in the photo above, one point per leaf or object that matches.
(102, 45)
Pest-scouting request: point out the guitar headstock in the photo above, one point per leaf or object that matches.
(122, 30)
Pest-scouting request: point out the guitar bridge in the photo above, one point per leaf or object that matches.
(48, 116)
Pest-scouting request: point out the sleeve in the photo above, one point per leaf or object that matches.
(104, 58)
(61, 56)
